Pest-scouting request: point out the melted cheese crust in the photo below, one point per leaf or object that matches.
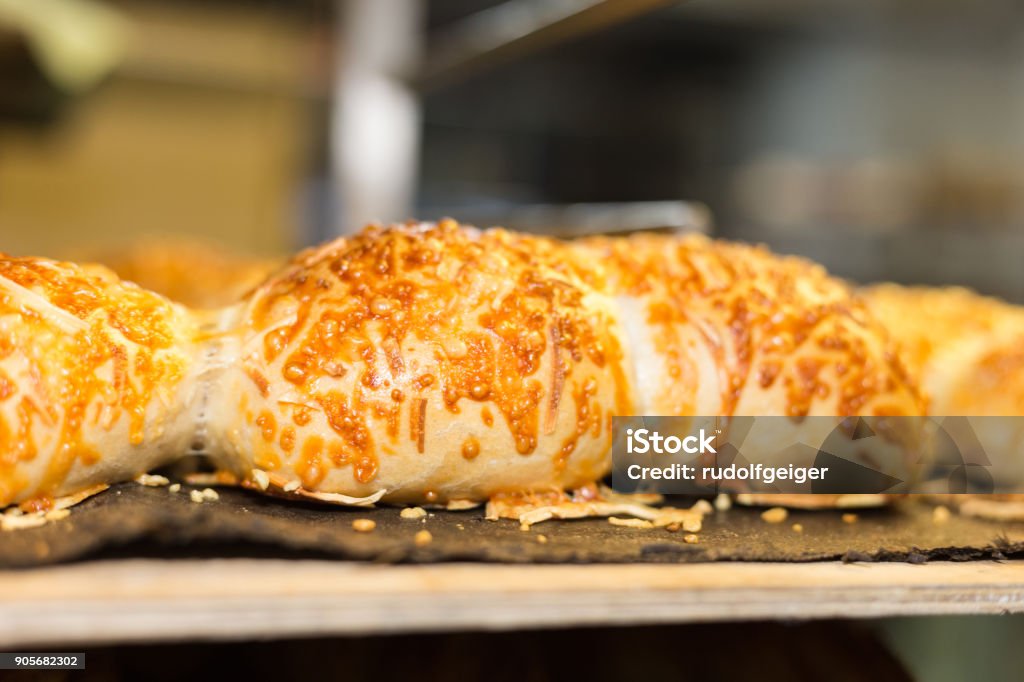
(736, 329)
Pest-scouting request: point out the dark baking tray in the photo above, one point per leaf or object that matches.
(133, 520)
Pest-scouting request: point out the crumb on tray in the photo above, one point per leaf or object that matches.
(152, 480)
(630, 523)
(364, 525)
(261, 479)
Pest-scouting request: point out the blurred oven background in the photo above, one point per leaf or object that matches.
(881, 138)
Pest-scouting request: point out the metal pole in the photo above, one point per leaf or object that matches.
(375, 122)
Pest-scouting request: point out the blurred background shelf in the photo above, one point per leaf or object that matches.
(883, 139)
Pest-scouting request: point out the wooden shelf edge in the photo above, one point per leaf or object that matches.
(149, 600)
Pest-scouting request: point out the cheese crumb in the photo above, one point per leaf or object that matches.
(290, 486)
(542, 539)
(940, 514)
(413, 513)
(774, 515)
(629, 523)
(11, 522)
(151, 480)
(691, 539)
(673, 527)
(688, 519)
(364, 525)
(849, 518)
(261, 479)
(175, 487)
(723, 502)
(798, 528)
(423, 538)
(196, 496)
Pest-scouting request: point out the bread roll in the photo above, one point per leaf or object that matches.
(434, 362)
(968, 351)
(729, 329)
(97, 380)
(440, 363)
(187, 271)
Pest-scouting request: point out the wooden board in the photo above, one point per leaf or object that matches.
(159, 600)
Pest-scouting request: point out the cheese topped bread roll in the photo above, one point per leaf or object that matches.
(431, 361)
(188, 271)
(967, 349)
(97, 380)
(439, 363)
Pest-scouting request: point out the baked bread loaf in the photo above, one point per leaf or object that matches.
(424, 363)
(441, 363)
(98, 379)
(729, 329)
(434, 362)
(968, 351)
